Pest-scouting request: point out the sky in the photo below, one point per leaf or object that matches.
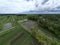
(18, 6)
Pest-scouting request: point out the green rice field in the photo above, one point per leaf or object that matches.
(8, 34)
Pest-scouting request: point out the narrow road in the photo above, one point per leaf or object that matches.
(1, 32)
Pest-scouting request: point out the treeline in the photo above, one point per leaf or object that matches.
(50, 23)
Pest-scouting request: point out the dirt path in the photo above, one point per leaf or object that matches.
(2, 32)
(16, 38)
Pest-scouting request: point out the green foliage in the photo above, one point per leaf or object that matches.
(32, 17)
(49, 22)
(7, 35)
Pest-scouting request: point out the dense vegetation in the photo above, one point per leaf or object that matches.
(50, 24)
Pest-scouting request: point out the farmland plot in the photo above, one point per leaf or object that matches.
(10, 30)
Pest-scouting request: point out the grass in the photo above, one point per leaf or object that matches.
(7, 36)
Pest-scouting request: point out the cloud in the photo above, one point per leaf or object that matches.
(49, 4)
(16, 6)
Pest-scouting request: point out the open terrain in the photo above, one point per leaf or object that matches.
(30, 30)
(15, 35)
